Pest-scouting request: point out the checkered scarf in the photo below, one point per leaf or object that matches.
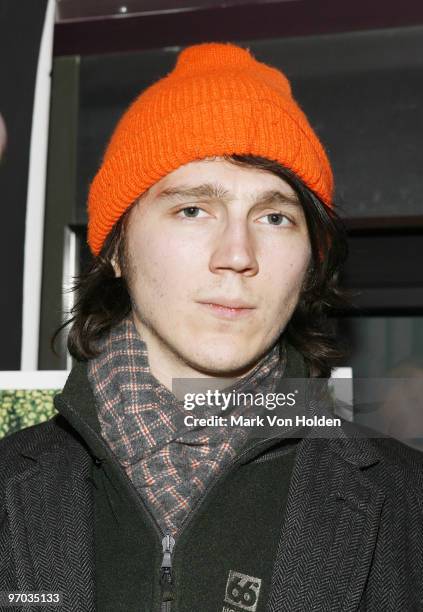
(169, 464)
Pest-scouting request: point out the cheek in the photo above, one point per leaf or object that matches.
(296, 271)
(162, 266)
(287, 268)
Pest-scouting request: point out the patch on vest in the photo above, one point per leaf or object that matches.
(242, 591)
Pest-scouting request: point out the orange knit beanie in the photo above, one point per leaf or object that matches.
(218, 100)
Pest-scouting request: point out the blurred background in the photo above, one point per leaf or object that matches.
(69, 68)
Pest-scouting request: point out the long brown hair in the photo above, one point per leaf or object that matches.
(103, 300)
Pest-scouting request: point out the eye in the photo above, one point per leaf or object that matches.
(277, 219)
(191, 210)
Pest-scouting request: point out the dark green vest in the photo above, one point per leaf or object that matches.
(224, 555)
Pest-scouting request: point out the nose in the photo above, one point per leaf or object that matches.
(234, 250)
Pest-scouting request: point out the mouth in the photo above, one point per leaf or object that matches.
(227, 312)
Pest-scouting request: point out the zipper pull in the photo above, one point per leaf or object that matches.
(166, 568)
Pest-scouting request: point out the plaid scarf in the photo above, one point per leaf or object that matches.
(169, 465)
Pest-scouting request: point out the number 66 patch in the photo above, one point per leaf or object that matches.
(242, 591)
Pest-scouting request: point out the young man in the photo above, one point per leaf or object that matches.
(216, 253)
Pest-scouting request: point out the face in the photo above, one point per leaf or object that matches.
(208, 233)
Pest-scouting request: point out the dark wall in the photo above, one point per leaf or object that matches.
(20, 35)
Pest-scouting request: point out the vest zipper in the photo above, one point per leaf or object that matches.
(166, 581)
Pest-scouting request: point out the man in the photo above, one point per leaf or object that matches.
(216, 252)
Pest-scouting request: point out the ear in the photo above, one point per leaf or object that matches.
(116, 266)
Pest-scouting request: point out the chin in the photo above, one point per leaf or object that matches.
(220, 364)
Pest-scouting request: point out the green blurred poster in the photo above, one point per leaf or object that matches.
(26, 398)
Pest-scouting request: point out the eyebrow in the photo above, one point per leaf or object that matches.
(215, 191)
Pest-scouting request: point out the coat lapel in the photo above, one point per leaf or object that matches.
(330, 529)
(50, 512)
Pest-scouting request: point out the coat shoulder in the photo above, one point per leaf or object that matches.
(28, 444)
(394, 466)
(383, 461)
(393, 451)
(405, 462)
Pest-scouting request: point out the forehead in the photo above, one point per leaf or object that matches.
(234, 177)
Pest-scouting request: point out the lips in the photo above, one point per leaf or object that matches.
(225, 303)
(228, 312)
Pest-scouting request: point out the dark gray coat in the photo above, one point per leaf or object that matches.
(352, 538)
